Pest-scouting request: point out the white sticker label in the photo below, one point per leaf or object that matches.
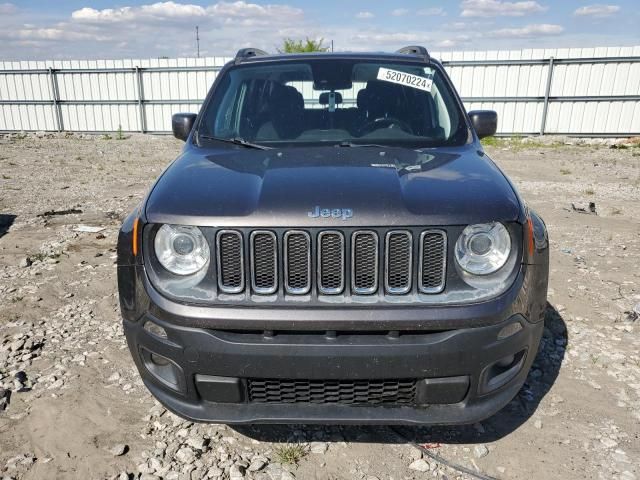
(406, 79)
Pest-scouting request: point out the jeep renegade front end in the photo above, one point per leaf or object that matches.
(333, 245)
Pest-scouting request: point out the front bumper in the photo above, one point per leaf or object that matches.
(453, 353)
(453, 370)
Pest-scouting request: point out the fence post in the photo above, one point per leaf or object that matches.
(55, 94)
(141, 112)
(547, 92)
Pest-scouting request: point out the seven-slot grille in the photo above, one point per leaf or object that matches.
(230, 261)
(297, 260)
(346, 392)
(364, 262)
(330, 262)
(433, 261)
(338, 261)
(398, 262)
(264, 262)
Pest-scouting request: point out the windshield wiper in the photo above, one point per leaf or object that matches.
(236, 141)
(370, 145)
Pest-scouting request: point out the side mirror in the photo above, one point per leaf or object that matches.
(485, 122)
(181, 124)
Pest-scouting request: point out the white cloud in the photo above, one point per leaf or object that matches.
(400, 12)
(106, 15)
(7, 8)
(385, 39)
(492, 8)
(453, 42)
(51, 34)
(161, 10)
(448, 43)
(364, 15)
(456, 25)
(432, 12)
(528, 31)
(224, 12)
(597, 10)
(282, 13)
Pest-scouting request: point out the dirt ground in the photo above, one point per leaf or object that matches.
(73, 406)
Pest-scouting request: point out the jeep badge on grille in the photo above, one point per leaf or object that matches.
(343, 213)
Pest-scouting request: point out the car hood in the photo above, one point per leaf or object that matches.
(374, 186)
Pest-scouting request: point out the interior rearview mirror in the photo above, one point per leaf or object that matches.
(181, 124)
(485, 122)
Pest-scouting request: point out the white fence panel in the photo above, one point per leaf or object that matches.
(583, 91)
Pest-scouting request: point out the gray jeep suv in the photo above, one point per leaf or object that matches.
(333, 245)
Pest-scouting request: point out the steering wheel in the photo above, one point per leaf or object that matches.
(385, 122)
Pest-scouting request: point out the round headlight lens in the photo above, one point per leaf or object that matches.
(483, 248)
(181, 250)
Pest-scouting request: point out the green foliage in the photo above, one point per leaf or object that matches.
(290, 454)
(517, 143)
(289, 45)
(491, 142)
(120, 135)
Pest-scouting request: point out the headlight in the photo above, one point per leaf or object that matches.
(181, 250)
(483, 248)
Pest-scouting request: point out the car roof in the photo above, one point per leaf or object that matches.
(255, 56)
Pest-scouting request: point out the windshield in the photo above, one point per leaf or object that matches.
(334, 101)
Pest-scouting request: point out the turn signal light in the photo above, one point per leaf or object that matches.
(530, 243)
(136, 223)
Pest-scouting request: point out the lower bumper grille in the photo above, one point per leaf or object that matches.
(345, 392)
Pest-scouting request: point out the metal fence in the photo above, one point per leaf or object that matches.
(585, 92)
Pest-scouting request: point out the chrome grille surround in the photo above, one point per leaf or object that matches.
(297, 276)
(331, 262)
(398, 262)
(230, 269)
(364, 262)
(264, 270)
(432, 265)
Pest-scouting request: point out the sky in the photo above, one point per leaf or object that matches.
(100, 29)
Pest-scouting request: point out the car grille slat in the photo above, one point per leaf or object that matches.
(230, 261)
(264, 262)
(399, 261)
(345, 392)
(433, 261)
(297, 257)
(364, 262)
(331, 262)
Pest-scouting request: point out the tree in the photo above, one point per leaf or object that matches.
(290, 45)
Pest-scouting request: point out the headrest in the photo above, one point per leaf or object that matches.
(363, 96)
(379, 88)
(285, 97)
(324, 98)
(380, 97)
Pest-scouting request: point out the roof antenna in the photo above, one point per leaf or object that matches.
(198, 40)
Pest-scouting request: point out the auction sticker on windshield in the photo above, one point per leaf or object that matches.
(406, 79)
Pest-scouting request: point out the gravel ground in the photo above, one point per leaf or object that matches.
(73, 406)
